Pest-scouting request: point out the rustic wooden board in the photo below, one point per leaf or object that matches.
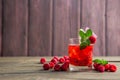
(15, 19)
(66, 24)
(74, 17)
(28, 68)
(0, 27)
(93, 16)
(43, 27)
(113, 28)
(40, 28)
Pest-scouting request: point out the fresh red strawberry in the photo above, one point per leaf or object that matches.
(54, 61)
(61, 60)
(65, 66)
(112, 68)
(56, 57)
(57, 67)
(42, 60)
(107, 66)
(66, 57)
(46, 66)
(101, 68)
(51, 64)
(92, 39)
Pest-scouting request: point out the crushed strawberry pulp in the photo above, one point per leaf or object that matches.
(80, 57)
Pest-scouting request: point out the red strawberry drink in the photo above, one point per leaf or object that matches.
(80, 51)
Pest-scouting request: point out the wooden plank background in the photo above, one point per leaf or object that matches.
(0, 26)
(65, 24)
(40, 28)
(93, 16)
(113, 27)
(15, 23)
(43, 27)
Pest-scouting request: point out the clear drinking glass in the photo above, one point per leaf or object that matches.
(80, 59)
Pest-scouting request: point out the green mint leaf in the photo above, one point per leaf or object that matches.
(88, 42)
(97, 61)
(102, 62)
(83, 45)
(88, 33)
(82, 33)
(85, 38)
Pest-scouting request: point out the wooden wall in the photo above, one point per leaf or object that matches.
(43, 27)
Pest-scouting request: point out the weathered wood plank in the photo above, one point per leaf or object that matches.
(35, 59)
(40, 28)
(46, 75)
(0, 27)
(113, 27)
(66, 24)
(74, 17)
(15, 19)
(93, 16)
(27, 68)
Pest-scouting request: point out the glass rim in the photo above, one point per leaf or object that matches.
(79, 39)
(73, 38)
(79, 44)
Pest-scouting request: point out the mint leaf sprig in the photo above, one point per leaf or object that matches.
(100, 61)
(84, 35)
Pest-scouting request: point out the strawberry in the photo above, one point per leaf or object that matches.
(61, 60)
(65, 66)
(107, 66)
(112, 68)
(51, 64)
(46, 66)
(101, 68)
(42, 60)
(57, 67)
(92, 39)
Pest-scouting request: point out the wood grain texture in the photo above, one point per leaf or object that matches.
(43, 27)
(15, 27)
(40, 28)
(28, 68)
(74, 17)
(93, 16)
(0, 27)
(66, 18)
(113, 27)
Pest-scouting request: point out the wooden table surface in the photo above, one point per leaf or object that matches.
(28, 68)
